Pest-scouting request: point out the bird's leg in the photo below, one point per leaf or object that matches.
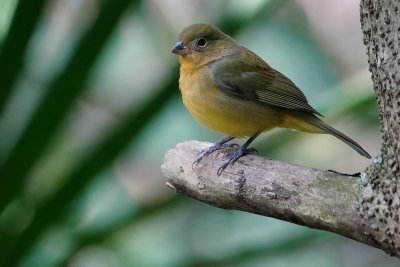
(217, 146)
(241, 151)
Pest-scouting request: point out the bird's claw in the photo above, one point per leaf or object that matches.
(205, 152)
(240, 152)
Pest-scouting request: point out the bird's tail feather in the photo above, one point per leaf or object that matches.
(341, 136)
(307, 122)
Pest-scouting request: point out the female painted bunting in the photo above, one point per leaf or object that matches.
(231, 90)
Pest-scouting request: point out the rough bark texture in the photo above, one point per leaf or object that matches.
(365, 209)
(379, 194)
(305, 196)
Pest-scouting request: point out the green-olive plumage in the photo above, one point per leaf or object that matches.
(230, 89)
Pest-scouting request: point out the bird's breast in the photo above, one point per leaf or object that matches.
(219, 111)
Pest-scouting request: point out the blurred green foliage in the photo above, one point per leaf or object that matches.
(89, 103)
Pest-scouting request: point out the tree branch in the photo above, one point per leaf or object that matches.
(305, 196)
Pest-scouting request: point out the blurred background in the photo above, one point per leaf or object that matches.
(89, 104)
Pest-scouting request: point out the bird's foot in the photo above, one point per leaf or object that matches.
(217, 146)
(240, 152)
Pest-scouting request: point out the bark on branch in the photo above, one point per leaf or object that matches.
(305, 196)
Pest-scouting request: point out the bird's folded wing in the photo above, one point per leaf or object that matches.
(256, 81)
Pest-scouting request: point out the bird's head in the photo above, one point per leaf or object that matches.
(203, 43)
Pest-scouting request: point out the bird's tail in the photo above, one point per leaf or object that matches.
(313, 124)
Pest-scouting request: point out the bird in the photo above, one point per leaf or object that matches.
(231, 90)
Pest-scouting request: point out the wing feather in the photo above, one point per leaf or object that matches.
(255, 80)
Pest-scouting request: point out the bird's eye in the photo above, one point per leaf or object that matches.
(201, 42)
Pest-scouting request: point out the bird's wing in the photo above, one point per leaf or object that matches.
(255, 80)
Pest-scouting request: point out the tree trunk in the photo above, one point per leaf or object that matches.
(365, 208)
(379, 195)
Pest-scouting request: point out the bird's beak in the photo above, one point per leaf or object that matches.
(180, 49)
